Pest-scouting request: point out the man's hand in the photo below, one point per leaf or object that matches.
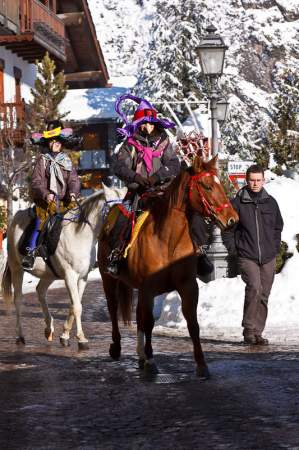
(50, 198)
(153, 180)
(141, 180)
(73, 197)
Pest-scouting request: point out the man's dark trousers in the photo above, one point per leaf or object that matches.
(258, 279)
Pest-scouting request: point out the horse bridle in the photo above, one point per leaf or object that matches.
(208, 209)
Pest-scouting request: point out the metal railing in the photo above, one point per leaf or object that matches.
(12, 123)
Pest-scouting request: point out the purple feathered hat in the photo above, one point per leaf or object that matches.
(144, 113)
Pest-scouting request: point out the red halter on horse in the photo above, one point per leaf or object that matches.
(162, 258)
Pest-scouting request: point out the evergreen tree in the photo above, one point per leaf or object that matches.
(49, 90)
(169, 71)
(234, 138)
(285, 109)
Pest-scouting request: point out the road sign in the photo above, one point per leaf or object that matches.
(237, 172)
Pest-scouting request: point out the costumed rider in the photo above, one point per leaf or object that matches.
(145, 161)
(54, 184)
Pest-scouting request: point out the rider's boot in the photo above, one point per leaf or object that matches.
(204, 265)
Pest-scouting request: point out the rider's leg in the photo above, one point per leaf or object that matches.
(29, 258)
(43, 209)
(117, 239)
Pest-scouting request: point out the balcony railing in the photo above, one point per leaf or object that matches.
(10, 10)
(35, 14)
(12, 124)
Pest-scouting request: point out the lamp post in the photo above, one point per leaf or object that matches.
(221, 112)
(211, 52)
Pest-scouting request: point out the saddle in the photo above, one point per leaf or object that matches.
(48, 238)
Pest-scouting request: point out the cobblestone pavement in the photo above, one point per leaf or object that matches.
(59, 398)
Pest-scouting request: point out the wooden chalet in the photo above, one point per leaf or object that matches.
(64, 29)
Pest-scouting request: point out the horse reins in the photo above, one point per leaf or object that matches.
(208, 209)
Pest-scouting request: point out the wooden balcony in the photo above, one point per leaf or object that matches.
(40, 30)
(9, 17)
(12, 124)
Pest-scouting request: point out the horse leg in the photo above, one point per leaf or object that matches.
(68, 324)
(72, 282)
(111, 290)
(17, 282)
(145, 325)
(41, 290)
(189, 295)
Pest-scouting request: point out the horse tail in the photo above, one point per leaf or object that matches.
(125, 297)
(6, 284)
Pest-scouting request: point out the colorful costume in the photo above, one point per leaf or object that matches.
(144, 159)
(54, 174)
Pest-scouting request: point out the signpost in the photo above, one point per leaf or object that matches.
(237, 172)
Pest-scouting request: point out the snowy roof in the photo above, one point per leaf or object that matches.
(98, 103)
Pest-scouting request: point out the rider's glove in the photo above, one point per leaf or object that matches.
(141, 180)
(154, 179)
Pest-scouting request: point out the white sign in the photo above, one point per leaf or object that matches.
(238, 167)
(237, 172)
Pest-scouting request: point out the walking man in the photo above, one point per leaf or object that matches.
(256, 242)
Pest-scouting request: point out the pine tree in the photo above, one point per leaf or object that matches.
(169, 71)
(49, 90)
(285, 150)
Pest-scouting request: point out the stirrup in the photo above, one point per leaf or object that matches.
(29, 259)
(112, 268)
(113, 261)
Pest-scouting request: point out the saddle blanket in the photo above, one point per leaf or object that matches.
(140, 221)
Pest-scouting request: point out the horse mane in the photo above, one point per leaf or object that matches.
(87, 205)
(160, 208)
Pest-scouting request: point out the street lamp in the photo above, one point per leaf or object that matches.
(211, 53)
(221, 110)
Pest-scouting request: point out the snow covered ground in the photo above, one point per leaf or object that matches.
(220, 303)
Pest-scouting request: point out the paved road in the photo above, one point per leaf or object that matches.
(56, 398)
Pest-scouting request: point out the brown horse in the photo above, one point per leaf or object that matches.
(162, 259)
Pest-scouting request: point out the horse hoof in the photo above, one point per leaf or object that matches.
(83, 346)
(150, 368)
(203, 373)
(49, 335)
(20, 340)
(115, 351)
(64, 342)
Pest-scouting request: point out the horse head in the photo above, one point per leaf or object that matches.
(206, 194)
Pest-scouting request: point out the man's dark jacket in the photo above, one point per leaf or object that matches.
(258, 233)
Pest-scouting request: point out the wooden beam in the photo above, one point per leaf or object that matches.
(94, 75)
(72, 18)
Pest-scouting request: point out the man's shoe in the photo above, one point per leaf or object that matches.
(261, 341)
(250, 340)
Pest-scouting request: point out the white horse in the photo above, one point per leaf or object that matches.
(73, 259)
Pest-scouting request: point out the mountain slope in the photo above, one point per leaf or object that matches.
(262, 36)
